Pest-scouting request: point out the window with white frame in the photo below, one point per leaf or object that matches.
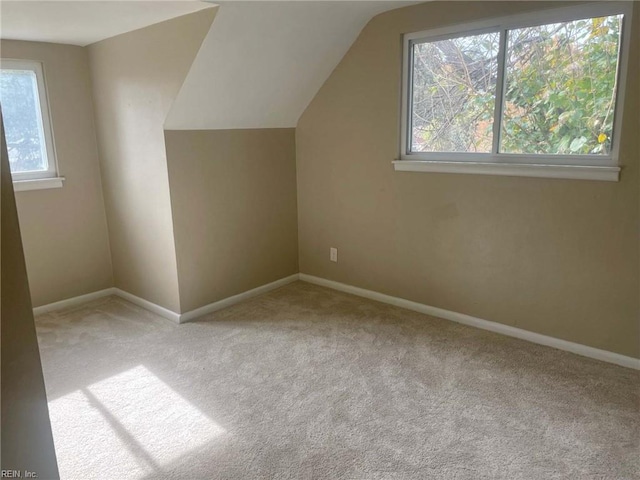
(537, 95)
(26, 120)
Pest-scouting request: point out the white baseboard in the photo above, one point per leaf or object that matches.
(576, 348)
(72, 302)
(165, 312)
(146, 304)
(227, 302)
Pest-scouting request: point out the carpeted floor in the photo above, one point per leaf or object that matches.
(309, 383)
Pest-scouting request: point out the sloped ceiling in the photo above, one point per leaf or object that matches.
(84, 22)
(263, 62)
(260, 65)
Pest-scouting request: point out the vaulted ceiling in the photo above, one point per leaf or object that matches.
(84, 22)
(260, 65)
(263, 62)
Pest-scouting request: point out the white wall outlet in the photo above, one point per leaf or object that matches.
(333, 254)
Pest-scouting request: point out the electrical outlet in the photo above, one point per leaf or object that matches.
(333, 254)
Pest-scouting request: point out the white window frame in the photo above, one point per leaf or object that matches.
(588, 167)
(49, 178)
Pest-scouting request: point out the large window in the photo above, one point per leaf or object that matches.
(26, 120)
(517, 96)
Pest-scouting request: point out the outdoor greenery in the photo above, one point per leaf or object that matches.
(559, 91)
(22, 123)
(454, 84)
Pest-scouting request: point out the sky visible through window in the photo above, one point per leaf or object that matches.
(22, 120)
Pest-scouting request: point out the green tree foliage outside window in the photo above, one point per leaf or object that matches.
(560, 87)
(559, 90)
(454, 91)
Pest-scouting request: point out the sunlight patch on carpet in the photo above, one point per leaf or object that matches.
(132, 422)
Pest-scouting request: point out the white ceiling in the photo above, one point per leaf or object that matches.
(263, 62)
(84, 22)
(260, 65)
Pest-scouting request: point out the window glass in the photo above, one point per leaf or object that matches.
(23, 121)
(454, 93)
(560, 87)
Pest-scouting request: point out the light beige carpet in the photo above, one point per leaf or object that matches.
(308, 383)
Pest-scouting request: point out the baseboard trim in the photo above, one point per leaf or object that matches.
(165, 312)
(227, 302)
(508, 330)
(72, 302)
(147, 305)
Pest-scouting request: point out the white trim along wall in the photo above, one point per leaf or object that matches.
(579, 349)
(164, 312)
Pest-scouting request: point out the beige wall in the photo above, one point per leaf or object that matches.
(27, 442)
(136, 77)
(64, 230)
(234, 210)
(558, 257)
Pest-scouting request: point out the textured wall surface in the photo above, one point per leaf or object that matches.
(136, 77)
(233, 194)
(557, 257)
(64, 230)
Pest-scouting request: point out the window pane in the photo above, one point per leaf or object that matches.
(454, 83)
(22, 121)
(560, 87)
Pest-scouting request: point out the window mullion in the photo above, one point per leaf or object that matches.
(409, 104)
(500, 83)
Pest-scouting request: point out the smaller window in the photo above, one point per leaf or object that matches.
(27, 125)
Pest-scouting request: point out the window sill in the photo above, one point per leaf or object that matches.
(39, 184)
(575, 172)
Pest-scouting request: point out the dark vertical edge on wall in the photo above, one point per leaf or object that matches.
(26, 437)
